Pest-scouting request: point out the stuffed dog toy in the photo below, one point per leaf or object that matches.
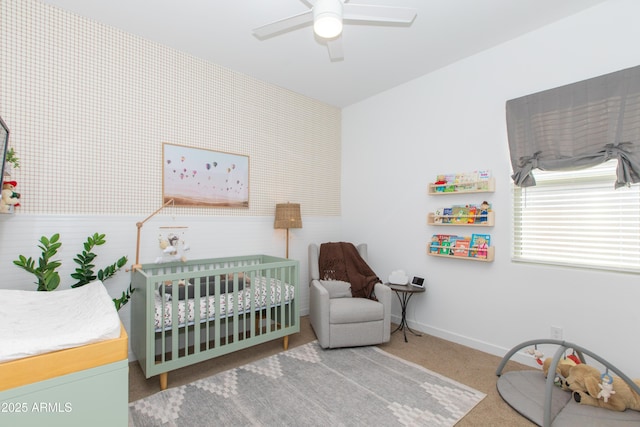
(559, 379)
(589, 387)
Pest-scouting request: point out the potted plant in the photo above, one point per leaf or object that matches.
(11, 161)
(48, 278)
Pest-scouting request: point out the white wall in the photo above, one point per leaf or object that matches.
(453, 120)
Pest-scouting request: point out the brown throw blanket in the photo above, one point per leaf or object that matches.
(341, 261)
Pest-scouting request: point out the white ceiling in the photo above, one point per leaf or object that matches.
(376, 57)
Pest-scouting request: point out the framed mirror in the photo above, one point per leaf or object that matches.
(4, 146)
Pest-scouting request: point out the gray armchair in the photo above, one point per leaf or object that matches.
(339, 320)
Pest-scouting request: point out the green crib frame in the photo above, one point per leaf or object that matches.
(161, 350)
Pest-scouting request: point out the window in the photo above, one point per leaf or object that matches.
(578, 219)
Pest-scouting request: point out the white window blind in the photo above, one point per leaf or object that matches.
(578, 219)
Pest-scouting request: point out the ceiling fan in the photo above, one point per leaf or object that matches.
(327, 17)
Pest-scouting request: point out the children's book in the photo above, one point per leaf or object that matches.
(471, 177)
(434, 246)
(436, 242)
(479, 247)
(461, 247)
(483, 179)
(437, 216)
(460, 215)
(452, 243)
(445, 247)
(465, 181)
(472, 214)
(450, 179)
(446, 215)
(484, 175)
(440, 243)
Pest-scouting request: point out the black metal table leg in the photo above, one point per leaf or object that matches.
(404, 326)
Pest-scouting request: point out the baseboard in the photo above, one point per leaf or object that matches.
(475, 344)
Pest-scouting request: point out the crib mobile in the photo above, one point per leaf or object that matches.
(173, 245)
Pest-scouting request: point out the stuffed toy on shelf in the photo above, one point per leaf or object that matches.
(10, 198)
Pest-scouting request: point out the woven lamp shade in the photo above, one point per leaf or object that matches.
(288, 216)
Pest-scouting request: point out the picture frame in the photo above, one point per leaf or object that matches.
(4, 146)
(199, 177)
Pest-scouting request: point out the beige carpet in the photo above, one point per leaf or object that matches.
(467, 366)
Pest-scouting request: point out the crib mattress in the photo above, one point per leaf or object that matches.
(186, 308)
(33, 323)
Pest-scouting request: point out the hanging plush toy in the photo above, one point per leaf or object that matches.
(606, 387)
(173, 248)
(537, 354)
(574, 358)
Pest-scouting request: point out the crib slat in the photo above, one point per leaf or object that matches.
(218, 313)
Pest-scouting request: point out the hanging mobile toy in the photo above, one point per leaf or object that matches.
(606, 387)
(574, 358)
(538, 355)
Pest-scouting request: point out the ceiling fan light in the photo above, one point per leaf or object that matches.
(327, 25)
(327, 18)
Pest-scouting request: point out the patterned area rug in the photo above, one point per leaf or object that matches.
(309, 386)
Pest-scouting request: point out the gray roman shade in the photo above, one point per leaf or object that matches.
(577, 126)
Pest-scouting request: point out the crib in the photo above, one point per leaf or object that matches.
(188, 312)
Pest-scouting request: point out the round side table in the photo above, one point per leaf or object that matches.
(404, 294)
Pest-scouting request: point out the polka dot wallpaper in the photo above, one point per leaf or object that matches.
(89, 108)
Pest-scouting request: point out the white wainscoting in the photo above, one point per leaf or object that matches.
(208, 238)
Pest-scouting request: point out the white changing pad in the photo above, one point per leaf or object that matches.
(33, 322)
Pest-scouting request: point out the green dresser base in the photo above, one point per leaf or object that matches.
(94, 397)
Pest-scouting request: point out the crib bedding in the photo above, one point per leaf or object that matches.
(186, 307)
(33, 323)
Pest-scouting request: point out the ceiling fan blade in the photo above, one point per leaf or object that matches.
(335, 49)
(361, 12)
(283, 25)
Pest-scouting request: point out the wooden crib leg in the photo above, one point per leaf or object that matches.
(164, 379)
(285, 343)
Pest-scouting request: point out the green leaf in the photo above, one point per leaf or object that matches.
(47, 279)
(51, 281)
(54, 264)
(120, 302)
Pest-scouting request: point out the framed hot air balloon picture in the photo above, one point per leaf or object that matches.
(204, 178)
